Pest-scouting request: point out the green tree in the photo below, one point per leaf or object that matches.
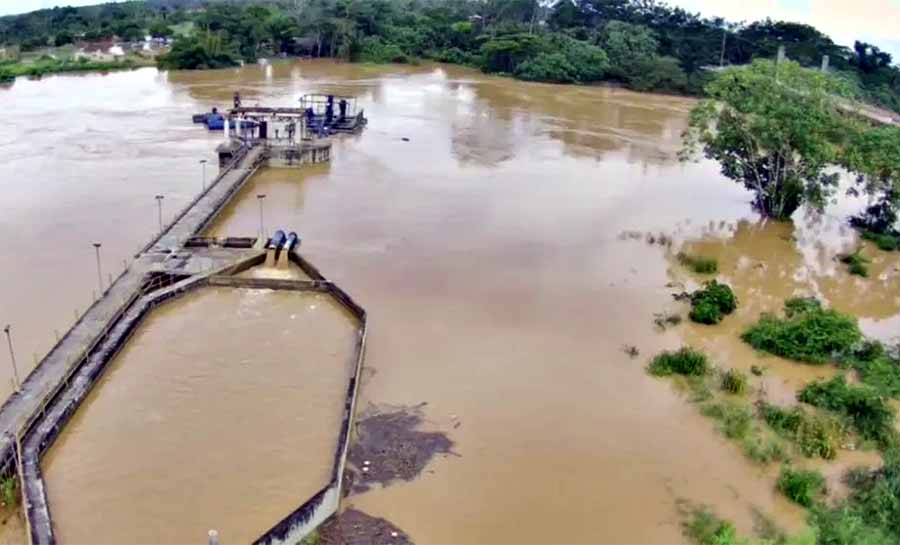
(160, 29)
(774, 129)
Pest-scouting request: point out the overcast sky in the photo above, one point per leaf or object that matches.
(875, 21)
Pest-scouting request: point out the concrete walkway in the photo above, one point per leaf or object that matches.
(20, 411)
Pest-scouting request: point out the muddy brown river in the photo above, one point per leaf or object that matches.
(487, 227)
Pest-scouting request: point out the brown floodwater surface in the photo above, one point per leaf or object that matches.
(222, 412)
(480, 222)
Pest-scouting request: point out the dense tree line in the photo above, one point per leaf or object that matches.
(644, 44)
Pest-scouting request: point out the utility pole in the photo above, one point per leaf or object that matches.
(203, 163)
(778, 60)
(825, 60)
(12, 358)
(722, 55)
(99, 273)
(262, 233)
(159, 200)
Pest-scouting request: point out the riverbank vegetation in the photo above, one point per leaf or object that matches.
(644, 46)
(47, 65)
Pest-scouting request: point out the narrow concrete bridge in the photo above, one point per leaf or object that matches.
(174, 262)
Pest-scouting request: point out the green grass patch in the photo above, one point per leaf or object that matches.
(866, 410)
(807, 333)
(803, 487)
(857, 264)
(705, 528)
(698, 264)
(684, 361)
(712, 303)
(734, 382)
(817, 435)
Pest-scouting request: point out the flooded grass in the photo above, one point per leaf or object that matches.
(685, 361)
(698, 264)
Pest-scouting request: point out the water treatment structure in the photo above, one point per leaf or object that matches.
(176, 262)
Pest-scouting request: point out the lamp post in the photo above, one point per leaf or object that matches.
(203, 163)
(261, 197)
(159, 200)
(99, 272)
(12, 358)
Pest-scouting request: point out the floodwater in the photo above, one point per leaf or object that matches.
(222, 412)
(488, 250)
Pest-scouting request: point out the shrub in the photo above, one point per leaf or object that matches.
(856, 264)
(801, 486)
(809, 333)
(734, 382)
(871, 417)
(9, 491)
(684, 361)
(710, 304)
(888, 243)
(698, 264)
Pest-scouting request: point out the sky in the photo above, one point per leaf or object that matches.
(874, 21)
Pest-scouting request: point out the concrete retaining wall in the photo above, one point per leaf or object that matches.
(296, 525)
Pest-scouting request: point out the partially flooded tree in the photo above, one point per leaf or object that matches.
(874, 155)
(775, 129)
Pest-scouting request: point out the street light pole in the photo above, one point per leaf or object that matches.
(99, 273)
(262, 233)
(203, 162)
(12, 358)
(159, 200)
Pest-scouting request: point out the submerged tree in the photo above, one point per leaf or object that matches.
(775, 129)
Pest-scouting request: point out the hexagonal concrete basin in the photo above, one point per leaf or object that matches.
(222, 411)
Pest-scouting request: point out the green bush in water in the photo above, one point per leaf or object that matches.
(710, 304)
(684, 361)
(801, 486)
(808, 333)
(699, 264)
(734, 382)
(856, 264)
(870, 415)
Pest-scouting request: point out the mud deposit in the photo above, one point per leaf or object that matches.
(354, 527)
(390, 446)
